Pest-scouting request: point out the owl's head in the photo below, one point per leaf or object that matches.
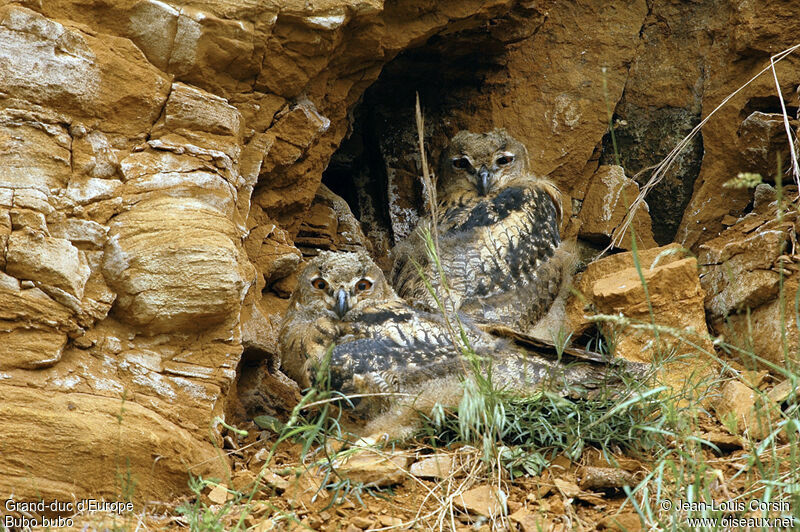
(481, 163)
(340, 285)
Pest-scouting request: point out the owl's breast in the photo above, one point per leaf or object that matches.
(481, 212)
(501, 243)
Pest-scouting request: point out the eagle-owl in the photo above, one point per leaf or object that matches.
(342, 299)
(383, 345)
(499, 243)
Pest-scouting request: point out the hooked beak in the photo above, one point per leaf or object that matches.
(484, 180)
(342, 302)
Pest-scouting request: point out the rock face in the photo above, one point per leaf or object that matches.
(750, 276)
(160, 171)
(605, 207)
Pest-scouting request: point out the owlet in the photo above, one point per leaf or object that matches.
(498, 232)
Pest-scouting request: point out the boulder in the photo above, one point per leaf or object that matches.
(47, 261)
(743, 271)
(605, 206)
(654, 313)
(174, 266)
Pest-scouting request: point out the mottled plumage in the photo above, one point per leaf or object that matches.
(381, 344)
(499, 241)
(328, 308)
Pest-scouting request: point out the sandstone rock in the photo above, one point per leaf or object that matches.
(32, 199)
(389, 521)
(88, 190)
(3, 250)
(760, 331)
(275, 481)
(152, 26)
(329, 225)
(30, 348)
(723, 440)
(194, 109)
(483, 500)
(92, 153)
(271, 251)
(33, 220)
(741, 274)
(784, 391)
(33, 327)
(528, 521)
(710, 202)
(737, 265)
(201, 118)
(579, 303)
(117, 435)
(212, 52)
(742, 411)
(676, 299)
(605, 206)
(436, 466)
(5, 221)
(257, 332)
(34, 150)
(762, 138)
(219, 494)
(49, 262)
(85, 233)
(262, 389)
(374, 468)
(567, 488)
(174, 265)
(622, 522)
(362, 522)
(49, 64)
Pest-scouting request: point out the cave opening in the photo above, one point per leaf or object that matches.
(376, 168)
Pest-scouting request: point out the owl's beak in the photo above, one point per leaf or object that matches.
(484, 180)
(342, 302)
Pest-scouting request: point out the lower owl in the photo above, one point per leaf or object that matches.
(377, 344)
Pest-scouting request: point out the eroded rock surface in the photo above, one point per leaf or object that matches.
(655, 313)
(751, 279)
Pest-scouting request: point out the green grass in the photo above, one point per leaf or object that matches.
(537, 428)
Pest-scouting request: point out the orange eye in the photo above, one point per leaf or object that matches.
(319, 283)
(462, 163)
(363, 284)
(505, 159)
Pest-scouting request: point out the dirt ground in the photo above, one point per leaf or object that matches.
(287, 495)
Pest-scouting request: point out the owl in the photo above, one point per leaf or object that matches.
(343, 300)
(498, 232)
(343, 312)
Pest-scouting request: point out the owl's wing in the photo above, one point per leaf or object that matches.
(501, 257)
(409, 348)
(539, 345)
(395, 337)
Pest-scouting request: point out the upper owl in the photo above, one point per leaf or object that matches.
(499, 243)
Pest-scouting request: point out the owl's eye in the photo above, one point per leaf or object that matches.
(505, 159)
(319, 283)
(363, 284)
(462, 163)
